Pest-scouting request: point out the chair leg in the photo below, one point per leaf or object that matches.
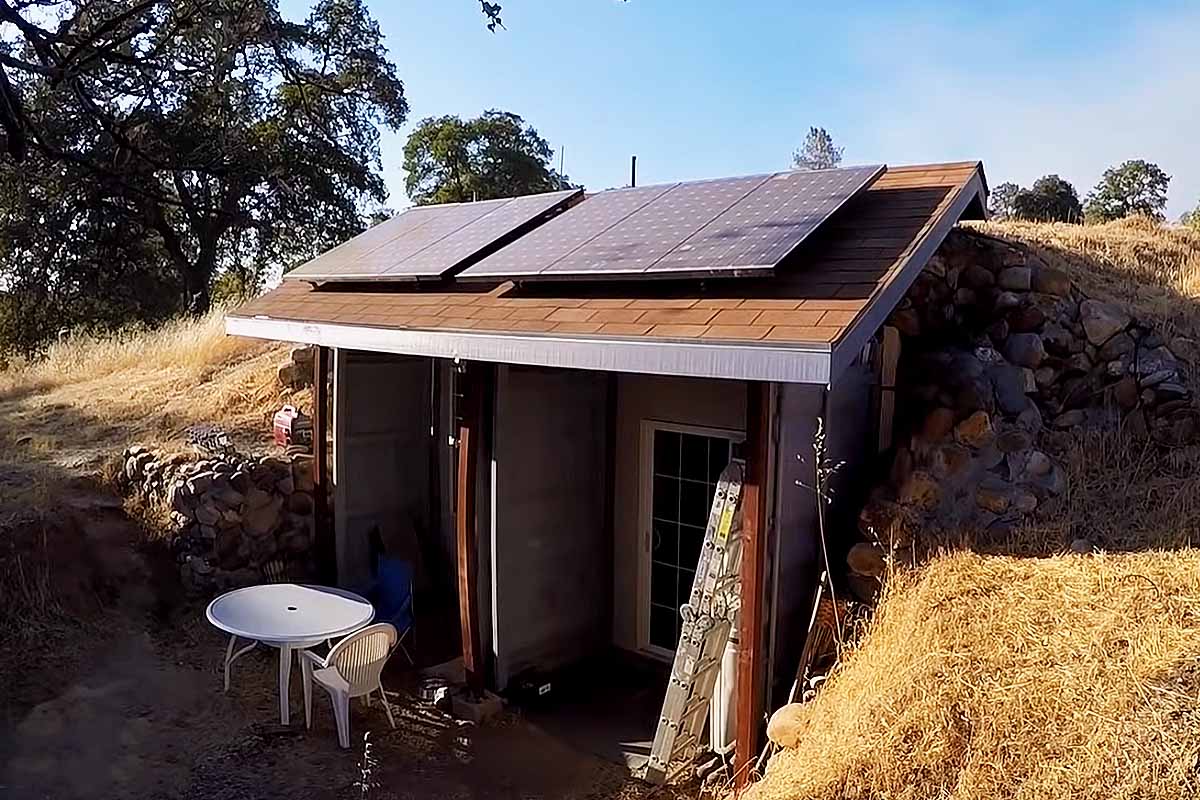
(387, 707)
(341, 714)
(306, 671)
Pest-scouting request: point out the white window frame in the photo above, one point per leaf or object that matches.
(645, 503)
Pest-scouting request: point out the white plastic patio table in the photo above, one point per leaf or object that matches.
(291, 617)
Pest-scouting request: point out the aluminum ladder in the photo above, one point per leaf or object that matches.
(708, 620)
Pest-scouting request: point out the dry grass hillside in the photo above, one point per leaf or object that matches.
(71, 414)
(1013, 669)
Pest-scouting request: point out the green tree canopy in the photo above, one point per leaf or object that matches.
(451, 160)
(1001, 200)
(1134, 187)
(818, 151)
(190, 138)
(1050, 199)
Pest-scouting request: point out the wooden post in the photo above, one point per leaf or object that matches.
(751, 658)
(323, 541)
(466, 525)
(889, 357)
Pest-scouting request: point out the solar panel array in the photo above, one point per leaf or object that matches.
(731, 226)
(431, 241)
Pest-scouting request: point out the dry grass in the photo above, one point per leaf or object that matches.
(73, 412)
(999, 677)
(1005, 669)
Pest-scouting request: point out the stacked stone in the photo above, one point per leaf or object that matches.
(1002, 359)
(297, 371)
(230, 514)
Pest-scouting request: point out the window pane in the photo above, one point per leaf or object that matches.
(666, 498)
(718, 458)
(685, 586)
(663, 630)
(662, 585)
(693, 459)
(694, 503)
(666, 453)
(664, 542)
(691, 540)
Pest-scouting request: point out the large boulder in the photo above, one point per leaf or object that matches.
(1101, 321)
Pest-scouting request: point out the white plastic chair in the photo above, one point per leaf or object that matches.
(351, 669)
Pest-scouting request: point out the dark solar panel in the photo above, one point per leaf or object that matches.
(769, 223)
(545, 245)
(731, 226)
(481, 233)
(427, 241)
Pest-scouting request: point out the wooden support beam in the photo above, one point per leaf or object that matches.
(466, 523)
(751, 662)
(323, 538)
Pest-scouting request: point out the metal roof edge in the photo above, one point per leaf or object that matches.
(873, 316)
(725, 360)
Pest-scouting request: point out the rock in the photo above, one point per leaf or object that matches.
(964, 296)
(1008, 382)
(1030, 420)
(207, 514)
(1017, 279)
(208, 532)
(1025, 502)
(1013, 440)
(866, 559)
(200, 482)
(262, 519)
(1030, 379)
(1168, 392)
(1058, 340)
(1150, 362)
(1125, 392)
(1156, 378)
(303, 356)
(937, 425)
(998, 331)
(1082, 547)
(1069, 419)
(1048, 280)
(977, 277)
(1026, 320)
(907, 321)
(887, 522)
(994, 500)
(1101, 321)
(229, 496)
(864, 589)
(786, 727)
(1038, 463)
(949, 461)
(300, 503)
(286, 485)
(975, 431)
(1117, 346)
(921, 490)
(1078, 364)
(257, 498)
(1025, 350)
(286, 374)
(1006, 301)
(1052, 482)
(1045, 376)
(1184, 349)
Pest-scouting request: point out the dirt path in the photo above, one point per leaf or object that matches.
(128, 704)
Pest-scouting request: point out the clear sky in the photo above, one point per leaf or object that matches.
(709, 88)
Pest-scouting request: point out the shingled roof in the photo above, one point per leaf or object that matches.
(803, 324)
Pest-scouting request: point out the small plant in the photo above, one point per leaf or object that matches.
(367, 765)
(824, 471)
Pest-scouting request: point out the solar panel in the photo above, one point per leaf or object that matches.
(431, 241)
(543, 246)
(731, 226)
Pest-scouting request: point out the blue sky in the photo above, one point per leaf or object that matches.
(708, 88)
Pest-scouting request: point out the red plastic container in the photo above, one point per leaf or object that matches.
(291, 427)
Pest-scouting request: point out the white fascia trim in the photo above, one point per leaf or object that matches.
(755, 362)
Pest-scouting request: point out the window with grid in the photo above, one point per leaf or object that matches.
(686, 467)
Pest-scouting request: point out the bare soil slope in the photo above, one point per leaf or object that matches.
(1012, 669)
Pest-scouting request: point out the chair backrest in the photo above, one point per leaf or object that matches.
(359, 658)
(393, 590)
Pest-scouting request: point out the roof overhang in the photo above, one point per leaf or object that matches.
(755, 362)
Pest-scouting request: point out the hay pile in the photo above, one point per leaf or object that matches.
(1004, 668)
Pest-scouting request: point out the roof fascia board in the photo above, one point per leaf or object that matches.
(847, 350)
(758, 362)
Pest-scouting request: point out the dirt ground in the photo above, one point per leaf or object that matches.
(124, 700)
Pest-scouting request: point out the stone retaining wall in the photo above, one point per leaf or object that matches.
(1002, 360)
(234, 519)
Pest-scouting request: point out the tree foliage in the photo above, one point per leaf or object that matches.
(1191, 219)
(1001, 200)
(818, 151)
(1134, 187)
(451, 160)
(1050, 199)
(180, 140)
